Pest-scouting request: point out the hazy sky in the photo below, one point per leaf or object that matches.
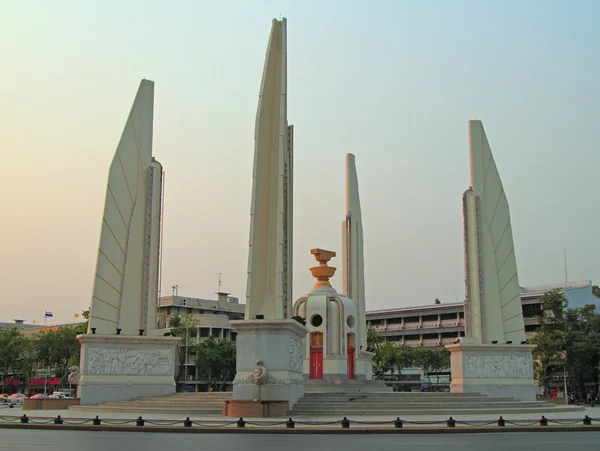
(393, 82)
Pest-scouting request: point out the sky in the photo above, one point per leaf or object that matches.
(393, 82)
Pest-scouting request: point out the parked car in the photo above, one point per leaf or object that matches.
(39, 396)
(16, 398)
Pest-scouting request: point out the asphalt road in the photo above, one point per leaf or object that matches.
(132, 441)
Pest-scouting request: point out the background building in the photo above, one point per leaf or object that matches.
(442, 323)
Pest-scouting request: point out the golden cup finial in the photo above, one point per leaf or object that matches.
(322, 272)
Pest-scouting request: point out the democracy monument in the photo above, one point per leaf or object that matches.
(284, 349)
(123, 356)
(494, 357)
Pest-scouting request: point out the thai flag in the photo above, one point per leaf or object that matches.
(49, 315)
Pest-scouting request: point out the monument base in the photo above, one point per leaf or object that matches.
(494, 370)
(122, 368)
(269, 366)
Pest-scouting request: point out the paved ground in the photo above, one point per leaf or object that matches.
(101, 441)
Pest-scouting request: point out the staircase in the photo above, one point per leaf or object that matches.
(400, 403)
(197, 404)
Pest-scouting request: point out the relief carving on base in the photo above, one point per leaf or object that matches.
(296, 355)
(129, 362)
(498, 366)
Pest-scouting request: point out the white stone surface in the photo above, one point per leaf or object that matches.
(335, 311)
(494, 370)
(493, 309)
(279, 345)
(269, 286)
(353, 264)
(125, 284)
(121, 368)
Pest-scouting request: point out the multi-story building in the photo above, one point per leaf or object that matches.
(212, 317)
(441, 324)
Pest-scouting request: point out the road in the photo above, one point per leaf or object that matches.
(131, 441)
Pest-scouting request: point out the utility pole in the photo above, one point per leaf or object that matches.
(220, 282)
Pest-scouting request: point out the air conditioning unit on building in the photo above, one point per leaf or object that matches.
(438, 343)
(419, 326)
(457, 323)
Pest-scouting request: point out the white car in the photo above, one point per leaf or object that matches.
(16, 398)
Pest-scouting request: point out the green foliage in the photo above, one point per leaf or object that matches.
(431, 361)
(374, 339)
(596, 290)
(58, 348)
(15, 354)
(182, 326)
(567, 336)
(389, 360)
(215, 361)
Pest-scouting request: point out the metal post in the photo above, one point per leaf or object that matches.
(565, 376)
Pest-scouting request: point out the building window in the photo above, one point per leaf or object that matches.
(449, 334)
(233, 335)
(461, 315)
(532, 327)
(430, 336)
(216, 331)
(449, 317)
(204, 332)
(430, 318)
(411, 319)
(316, 320)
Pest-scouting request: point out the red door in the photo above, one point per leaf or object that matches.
(350, 363)
(316, 363)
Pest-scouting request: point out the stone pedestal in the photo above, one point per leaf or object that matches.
(122, 368)
(364, 366)
(493, 370)
(278, 346)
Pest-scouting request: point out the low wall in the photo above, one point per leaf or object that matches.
(49, 404)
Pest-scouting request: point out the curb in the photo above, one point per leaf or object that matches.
(307, 431)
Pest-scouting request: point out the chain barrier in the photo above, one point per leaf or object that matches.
(291, 423)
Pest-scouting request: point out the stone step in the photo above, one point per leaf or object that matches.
(374, 406)
(438, 408)
(453, 412)
(323, 399)
(150, 409)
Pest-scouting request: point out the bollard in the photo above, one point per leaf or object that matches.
(96, 421)
(587, 421)
(543, 421)
(187, 423)
(139, 421)
(501, 422)
(24, 419)
(241, 423)
(450, 422)
(58, 420)
(398, 423)
(12, 406)
(289, 424)
(345, 423)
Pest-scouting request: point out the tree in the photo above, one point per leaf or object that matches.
(59, 348)
(215, 361)
(431, 361)
(182, 327)
(568, 337)
(374, 339)
(596, 290)
(14, 346)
